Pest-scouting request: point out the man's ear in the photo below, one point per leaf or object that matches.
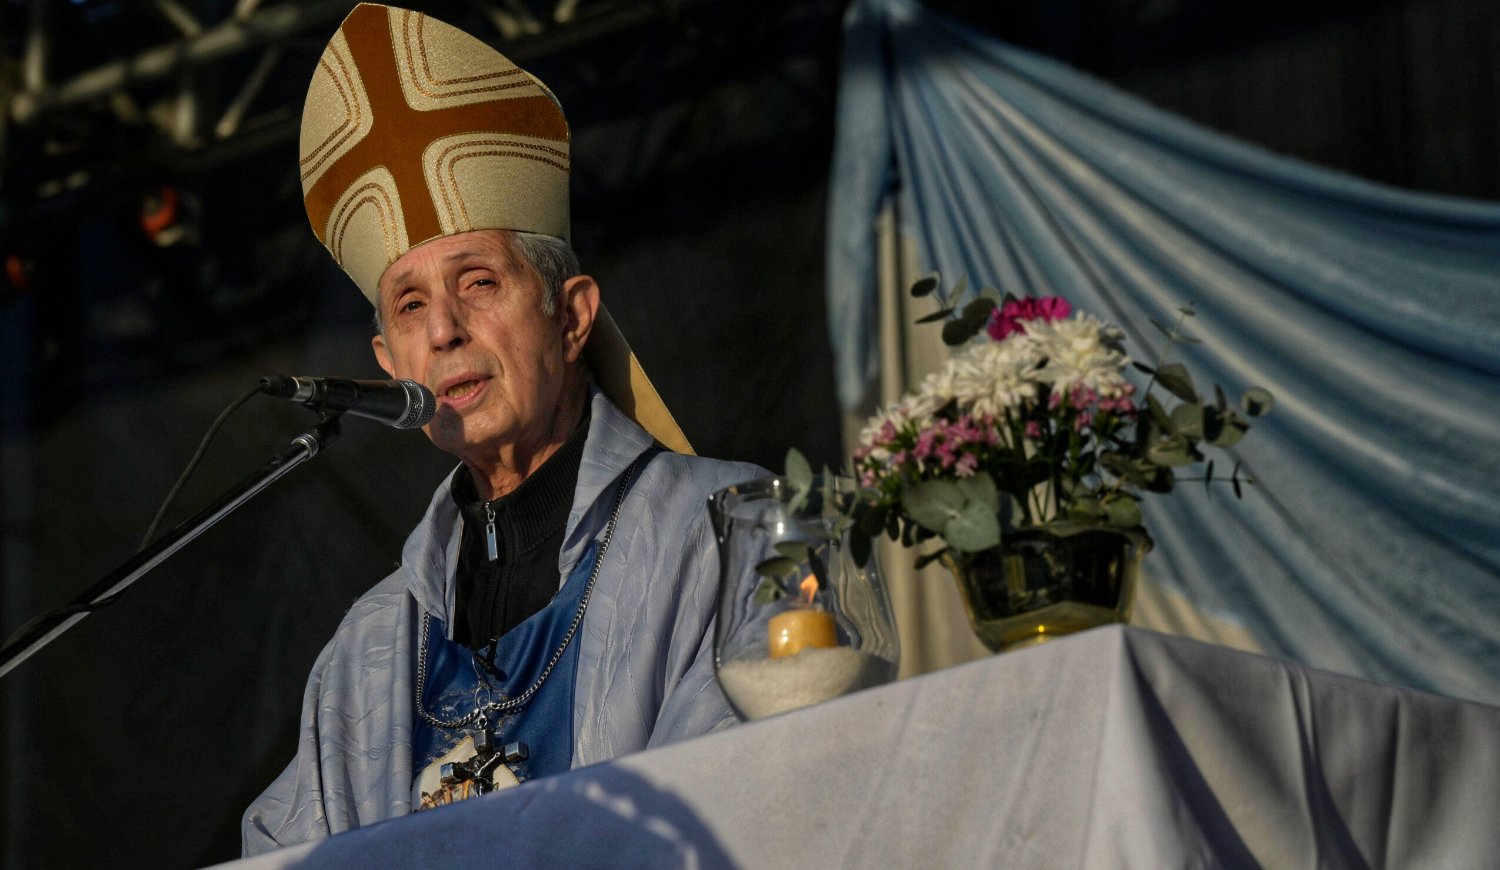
(579, 304)
(383, 355)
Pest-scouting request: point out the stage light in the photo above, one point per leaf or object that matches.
(161, 217)
(16, 274)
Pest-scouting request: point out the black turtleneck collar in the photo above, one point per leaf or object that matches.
(495, 596)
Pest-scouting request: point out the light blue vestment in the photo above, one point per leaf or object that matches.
(645, 648)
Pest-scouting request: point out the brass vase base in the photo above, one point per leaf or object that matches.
(1037, 586)
(1038, 627)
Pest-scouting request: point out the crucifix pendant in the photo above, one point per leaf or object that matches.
(476, 766)
(486, 763)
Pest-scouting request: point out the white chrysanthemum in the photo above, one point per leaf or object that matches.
(994, 376)
(1080, 351)
(941, 384)
(921, 406)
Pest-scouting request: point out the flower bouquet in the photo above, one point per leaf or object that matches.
(1025, 457)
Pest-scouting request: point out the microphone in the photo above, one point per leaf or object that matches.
(403, 404)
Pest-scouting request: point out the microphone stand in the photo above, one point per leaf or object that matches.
(48, 627)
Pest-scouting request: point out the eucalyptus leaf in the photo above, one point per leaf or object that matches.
(960, 287)
(873, 519)
(1214, 419)
(926, 284)
(1124, 512)
(932, 503)
(1161, 327)
(1171, 452)
(977, 312)
(974, 529)
(1257, 401)
(1234, 429)
(992, 294)
(1175, 378)
(1159, 414)
(1187, 311)
(928, 558)
(1121, 465)
(940, 314)
(1143, 368)
(1087, 510)
(798, 470)
(859, 547)
(768, 592)
(981, 487)
(819, 570)
(956, 332)
(1219, 398)
(1187, 419)
(1068, 528)
(778, 568)
(797, 551)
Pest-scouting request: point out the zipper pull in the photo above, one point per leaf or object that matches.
(491, 545)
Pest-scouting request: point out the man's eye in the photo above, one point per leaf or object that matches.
(413, 305)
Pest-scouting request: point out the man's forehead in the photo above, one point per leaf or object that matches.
(446, 251)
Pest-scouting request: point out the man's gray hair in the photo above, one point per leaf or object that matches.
(552, 259)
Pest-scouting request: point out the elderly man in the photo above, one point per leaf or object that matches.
(554, 607)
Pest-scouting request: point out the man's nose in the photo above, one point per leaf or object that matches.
(445, 323)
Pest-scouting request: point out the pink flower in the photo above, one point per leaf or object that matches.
(1010, 317)
(1033, 429)
(966, 465)
(1082, 397)
(965, 431)
(924, 444)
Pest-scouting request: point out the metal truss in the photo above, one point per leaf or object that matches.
(204, 84)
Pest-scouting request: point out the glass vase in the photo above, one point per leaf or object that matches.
(799, 622)
(1037, 586)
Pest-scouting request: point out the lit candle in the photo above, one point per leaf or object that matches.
(804, 625)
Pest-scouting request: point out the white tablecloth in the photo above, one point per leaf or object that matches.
(1112, 748)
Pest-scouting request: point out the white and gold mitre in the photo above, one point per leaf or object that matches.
(414, 130)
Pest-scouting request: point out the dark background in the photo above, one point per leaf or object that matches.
(702, 143)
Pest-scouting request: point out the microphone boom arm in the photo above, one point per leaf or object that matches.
(40, 632)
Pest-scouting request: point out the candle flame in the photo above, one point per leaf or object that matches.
(809, 587)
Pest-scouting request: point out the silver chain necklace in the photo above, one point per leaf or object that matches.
(486, 711)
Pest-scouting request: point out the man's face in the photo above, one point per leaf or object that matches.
(463, 316)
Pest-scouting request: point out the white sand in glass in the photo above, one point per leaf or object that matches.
(765, 687)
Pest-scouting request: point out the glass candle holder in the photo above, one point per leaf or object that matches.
(799, 622)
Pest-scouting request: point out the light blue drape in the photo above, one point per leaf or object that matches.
(1370, 543)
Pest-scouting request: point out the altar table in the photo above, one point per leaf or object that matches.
(1113, 748)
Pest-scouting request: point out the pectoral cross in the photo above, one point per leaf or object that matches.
(487, 757)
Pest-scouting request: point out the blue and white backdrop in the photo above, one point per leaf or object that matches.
(1370, 543)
